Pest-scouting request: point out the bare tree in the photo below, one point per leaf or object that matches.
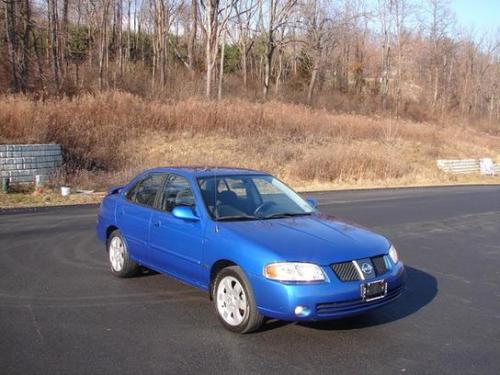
(384, 13)
(160, 13)
(163, 15)
(12, 42)
(119, 27)
(222, 56)
(63, 37)
(193, 32)
(53, 22)
(399, 12)
(301, 45)
(215, 15)
(103, 43)
(441, 20)
(246, 11)
(319, 25)
(274, 14)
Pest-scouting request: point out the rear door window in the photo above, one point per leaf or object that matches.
(145, 191)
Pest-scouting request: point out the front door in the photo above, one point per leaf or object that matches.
(176, 244)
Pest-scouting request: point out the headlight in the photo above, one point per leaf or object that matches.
(393, 254)
(292, 271)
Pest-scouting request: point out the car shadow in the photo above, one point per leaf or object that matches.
(421, 289)
(143, 272)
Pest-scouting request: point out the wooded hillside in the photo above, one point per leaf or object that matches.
(319, 92)
(403, 57)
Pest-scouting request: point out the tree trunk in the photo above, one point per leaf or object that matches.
(103, 47)
(64, 37)
(211, 43)
(270, 46)
(277, 81)
(25, 47)
(312, 82)
(192, 36)
(119, 17)
(385, 72)
(54, 47)
(244, 70)
(435, 89)
(12, 42)
(210, 66)
(267, 68)
(221, 69)
(39, 58)
(159, 43)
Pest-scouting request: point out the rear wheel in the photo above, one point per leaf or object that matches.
(121, 264)
(234, 301)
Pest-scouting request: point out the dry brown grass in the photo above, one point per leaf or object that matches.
(46, 198)
(110, 136)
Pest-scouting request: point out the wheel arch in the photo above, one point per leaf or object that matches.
(215, 269)
(110, 229)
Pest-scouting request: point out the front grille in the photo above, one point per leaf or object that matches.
(379, 265)
(345, 271)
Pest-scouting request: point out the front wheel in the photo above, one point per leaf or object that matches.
(234, 301)
(121, 264)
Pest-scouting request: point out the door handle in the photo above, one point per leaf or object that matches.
(121, 211)
(157, 223)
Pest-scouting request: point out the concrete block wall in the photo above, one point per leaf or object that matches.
(21, 163)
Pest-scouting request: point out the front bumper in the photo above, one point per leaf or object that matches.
(326, 300)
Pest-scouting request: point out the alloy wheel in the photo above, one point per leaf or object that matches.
(232, 302)
(116, 254)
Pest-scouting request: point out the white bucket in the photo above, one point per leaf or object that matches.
(65, 191)
(39, 180)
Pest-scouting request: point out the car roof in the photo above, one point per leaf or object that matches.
(203, 171)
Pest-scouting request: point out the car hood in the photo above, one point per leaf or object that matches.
(317, 239)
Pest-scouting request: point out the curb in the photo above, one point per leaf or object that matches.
(415, 187)
(35, 209)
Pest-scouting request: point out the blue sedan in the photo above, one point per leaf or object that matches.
(251, 242)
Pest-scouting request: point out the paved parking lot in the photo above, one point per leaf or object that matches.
(61, 311)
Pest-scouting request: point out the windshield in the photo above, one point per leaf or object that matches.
(250, 197)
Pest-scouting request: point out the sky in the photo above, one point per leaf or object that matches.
(478, 15)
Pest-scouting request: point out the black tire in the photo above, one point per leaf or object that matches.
(129, 268)
(252, 320)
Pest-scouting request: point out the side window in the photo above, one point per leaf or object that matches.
(145, 191)
(177, 192)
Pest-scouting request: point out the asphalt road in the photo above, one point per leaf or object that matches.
(61, 311)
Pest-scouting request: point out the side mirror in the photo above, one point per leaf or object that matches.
(312, 202)
(185, 213)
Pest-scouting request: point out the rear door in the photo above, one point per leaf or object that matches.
(133, 214)
(176, 244)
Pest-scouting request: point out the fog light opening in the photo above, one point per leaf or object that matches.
(302, 311)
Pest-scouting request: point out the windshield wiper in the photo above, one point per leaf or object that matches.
(279, 215)
(236, 218)
(273, 216)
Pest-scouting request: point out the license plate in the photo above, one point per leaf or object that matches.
(374, 290)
